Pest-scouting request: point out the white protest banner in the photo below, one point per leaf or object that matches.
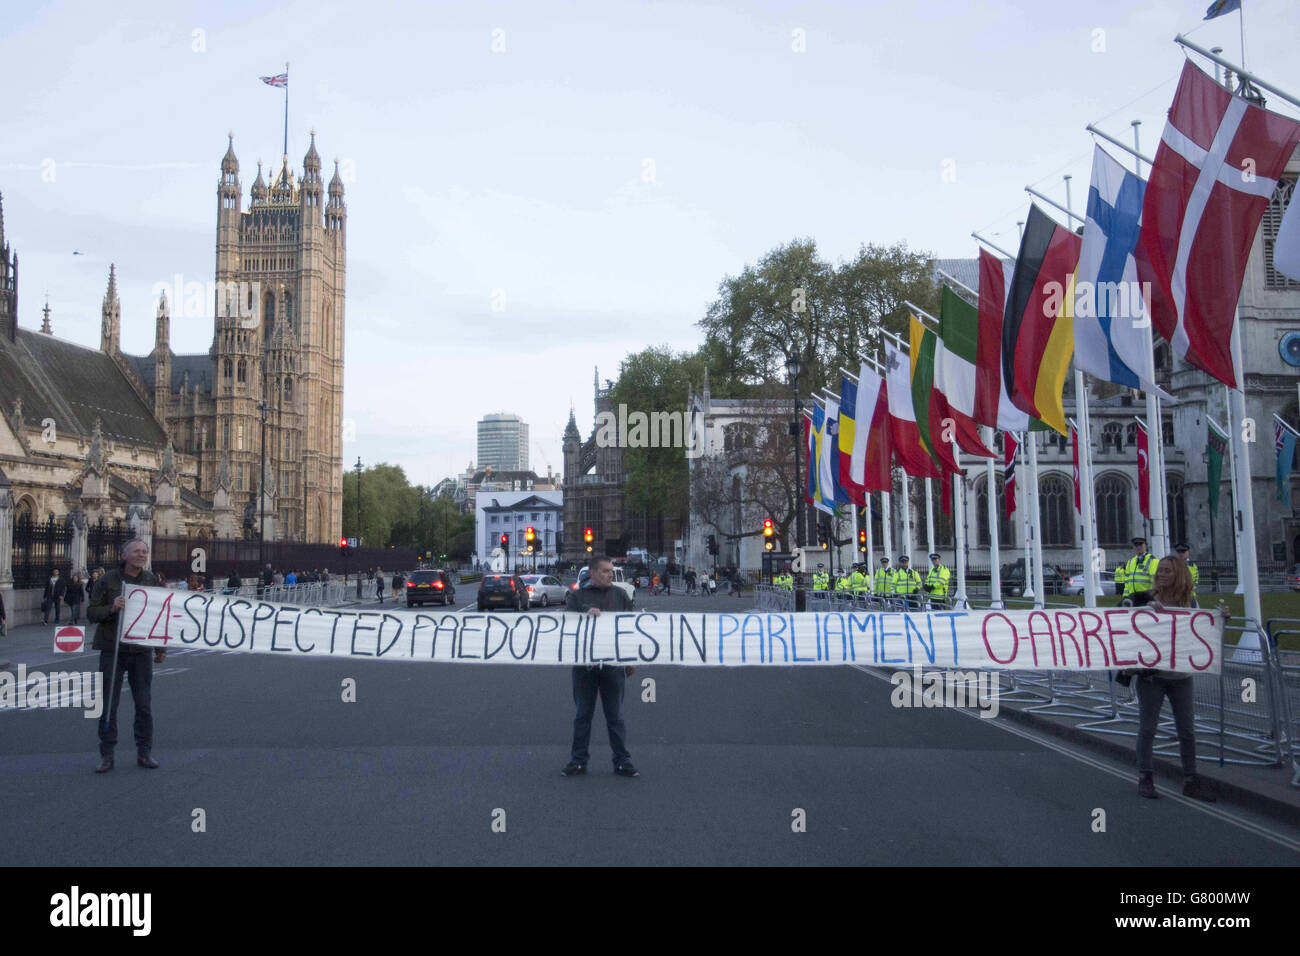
(1069, 640)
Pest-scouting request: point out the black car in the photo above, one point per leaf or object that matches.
(502, 590)
(424, 587)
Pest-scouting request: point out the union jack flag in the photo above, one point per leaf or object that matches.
(281, 80)
(1280, 432)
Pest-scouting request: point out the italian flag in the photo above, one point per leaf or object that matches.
(904, 432)
(930, 390)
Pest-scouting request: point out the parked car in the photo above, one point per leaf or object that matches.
(1054, 579)
(424, 587)
(1105, 583)
(502, 590)
(620, 581)
(544, 589)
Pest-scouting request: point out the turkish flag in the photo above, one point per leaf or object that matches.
(1215, 170)
(1144, 474)
(1011, 446)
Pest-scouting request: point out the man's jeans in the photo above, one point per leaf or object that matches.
(48, 605)
(609, 682)
(1150, 693)
(136, 667)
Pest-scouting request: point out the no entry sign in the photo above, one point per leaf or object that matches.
(69, 639)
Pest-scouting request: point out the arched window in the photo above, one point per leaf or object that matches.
(1005, 530)
(288, 310)
(268, 315)
(1112, 436)
(288, 390)
(225, 434)
(1131, 433)
(243, 371)
(1176, 508)
(1113, 512)
(1056, 497)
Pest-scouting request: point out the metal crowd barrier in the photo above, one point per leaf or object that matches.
(1261, 730)
(319, 594)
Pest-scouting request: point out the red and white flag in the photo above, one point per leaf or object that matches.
(871, 464)
(995, 280)
(1215, 170)
(1010, 446)
(1074, 441)
(1144, 473)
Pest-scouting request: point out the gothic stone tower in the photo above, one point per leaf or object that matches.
(281, 266)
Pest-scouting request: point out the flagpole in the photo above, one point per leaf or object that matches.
(959, 528)
(995, 569)
(1035, 511)
(1091, 559)
(1022, 488)
(1240, 71)
(286, 110)
(1248, 562)
(907, 518)
(870, 561)
(929, 517)
(887, 516)
(998, 249)
(1232, 485)
(960, 285)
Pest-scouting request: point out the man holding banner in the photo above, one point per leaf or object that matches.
(134, 663)
(589, 681)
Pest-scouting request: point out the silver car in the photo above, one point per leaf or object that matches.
(1105, 583)
(544, 589)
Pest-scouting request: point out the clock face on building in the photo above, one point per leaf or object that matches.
(1289, 348)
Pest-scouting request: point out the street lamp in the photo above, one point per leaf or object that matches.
(358, 526)
(794, 368)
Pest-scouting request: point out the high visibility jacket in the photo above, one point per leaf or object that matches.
(936, 581)
(858, 582)
(906, 581)
(1139, 574)
(842, 584)
(820, 581)
(1196, 575)
(884, 580)
(1119, 579)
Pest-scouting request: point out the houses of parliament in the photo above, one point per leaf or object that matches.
(128, 425)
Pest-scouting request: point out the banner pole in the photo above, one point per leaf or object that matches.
(1248, 559)
(1032, 522)
(929, 518)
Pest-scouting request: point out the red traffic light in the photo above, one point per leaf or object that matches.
(505, 539)
(768, 530)
(587, 536)
(343, 542)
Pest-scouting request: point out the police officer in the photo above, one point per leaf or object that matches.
(907, 583)
(858, 580)
(821, 580)
(884, 581)
(1185, 552)
(1139, 574)
(937, 580)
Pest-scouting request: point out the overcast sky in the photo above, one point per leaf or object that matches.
(595, 168)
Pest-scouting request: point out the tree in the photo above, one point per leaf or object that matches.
(387, 500)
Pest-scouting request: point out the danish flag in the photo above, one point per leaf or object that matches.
(1215, 170)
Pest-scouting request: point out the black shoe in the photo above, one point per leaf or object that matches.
(147, 762)
(1146, 786)
(105, 765)
(1198, 788)
(573, 768)
(625, 769)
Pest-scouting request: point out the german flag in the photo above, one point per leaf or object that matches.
(1038, 325)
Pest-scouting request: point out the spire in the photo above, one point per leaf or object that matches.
(312, 159)
(110, 297)
(259, 185)
(2, 221)
(162, 328)
(45, 322)
(229, 164)
(336, 182)
(110, 330)
(571, 435)
(282, 191)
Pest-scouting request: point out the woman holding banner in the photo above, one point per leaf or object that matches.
(1172, 587)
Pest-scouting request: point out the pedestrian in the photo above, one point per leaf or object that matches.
(291, 579)
(130, 662)
(277, 578)
(398, 583)
(1171, 588)
(591, 681)
(1139, 573)
(268, 578)
(193, 583)
(690, 580)
(75, 597)
(379, 586)
(233, 583)
(55, 588)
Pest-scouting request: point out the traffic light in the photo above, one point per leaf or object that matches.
(862, 540)
(530, 538)
(713, 545)
(587, 537)
(768, 532)
(505, 542)
(343, 547)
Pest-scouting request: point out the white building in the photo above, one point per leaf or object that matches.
(511, 513)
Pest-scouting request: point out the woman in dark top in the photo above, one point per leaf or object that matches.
(379, 587)
(75, 596)
(1172, 587)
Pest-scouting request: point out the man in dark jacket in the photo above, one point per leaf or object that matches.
(55, 590)
(607, 682)
(134, 663)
